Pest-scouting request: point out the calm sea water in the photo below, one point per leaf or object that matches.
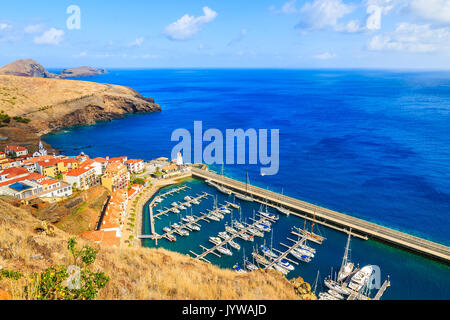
(372, 144)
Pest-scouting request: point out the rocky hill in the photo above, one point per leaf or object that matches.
(27, 68)
(52, 104)
(27, 245)
(82, 72)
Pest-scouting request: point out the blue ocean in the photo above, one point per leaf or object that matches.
(372, 144)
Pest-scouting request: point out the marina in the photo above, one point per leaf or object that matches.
(231, 214)
(362, 227)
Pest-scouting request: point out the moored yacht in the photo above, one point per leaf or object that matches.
(285, 264)
(266, 251)
(361, 278)
(234, 245)
(224, 251)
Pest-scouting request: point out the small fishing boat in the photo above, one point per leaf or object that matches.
(335, 294)
(175, 226)
(238, 225)
(326, 296)
(285, 264)
(266, 251)
(234, 245)
(260, 259)
(238, 269)
(224, 190)
(263, 227)
(193, 227)
(304, 252)
(187, 198)
(182, 207)
(175, 210)
(185, 219)
(300, 257)
(269, 215)
(281, 269)
(213, 217)
(188, 205)
(171, 238)
(224, 235)
(224, 210)
(256, 232)
(230, 230)
(174, 204)
(215, 240)
(167, 229)
(250, 266)
(243, 197)
(224, 251)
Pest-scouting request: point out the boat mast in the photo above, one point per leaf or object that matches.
(345, 258)
(316, 282)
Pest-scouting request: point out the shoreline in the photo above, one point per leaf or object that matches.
(142, 199)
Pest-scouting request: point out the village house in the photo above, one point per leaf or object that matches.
(48, 168)
(118, 159)
(135, 165)
(82, 178)
(103, 162)
(66, 165)
(116, 177)
(16, 151)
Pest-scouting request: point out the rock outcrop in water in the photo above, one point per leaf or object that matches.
(82, 72)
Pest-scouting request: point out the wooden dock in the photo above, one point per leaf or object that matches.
(213, 249)
(284, 255)
(337, 219)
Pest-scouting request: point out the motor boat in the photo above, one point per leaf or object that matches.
(335, 294)
(238, 225)
(281, 269)
(175, 226)
(268, 252)
(213, 217)
(285, 264)
(171, 238)
(224, 210)
(224, 235)
(246, 237)
(234, 245)
(263, 227)
(167, 229)
(361, 278)
(256, 232)
(175, 210)
(193, 227)
(284, 211)
(249, 266)
(174, 204)
(243, 197)
(215, 240)
(238, 269)
(332, 285)
(230, 230)
(300, 257)
(187, 198)
(304, 252)
(224, 251)
(269, 215)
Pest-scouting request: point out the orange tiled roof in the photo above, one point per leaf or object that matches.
(99, 159)
(49, 163)
(134, 161)
(78, 172)
(13, 172)
(15, 148)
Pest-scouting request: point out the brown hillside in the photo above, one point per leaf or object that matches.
(54, 103)
(136, 273)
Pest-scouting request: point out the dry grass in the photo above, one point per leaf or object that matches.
(136, 273)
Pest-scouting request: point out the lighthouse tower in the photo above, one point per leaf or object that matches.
(179, 160)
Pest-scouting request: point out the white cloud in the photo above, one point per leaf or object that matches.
(239, 38)
(412, 38)
(432, 10)
(322, 14)
(325, 56)
(288, 8)
(34, 28)
(52, 36)
(188, 26)
(137, 43)
(4, 26)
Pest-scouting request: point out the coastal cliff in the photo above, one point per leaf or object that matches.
(52, 104)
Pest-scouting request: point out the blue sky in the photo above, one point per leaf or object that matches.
(234, 33)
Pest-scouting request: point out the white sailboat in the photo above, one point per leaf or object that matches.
(246, 196)
(346, 266)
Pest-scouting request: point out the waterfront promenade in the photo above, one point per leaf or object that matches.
(332, 218)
